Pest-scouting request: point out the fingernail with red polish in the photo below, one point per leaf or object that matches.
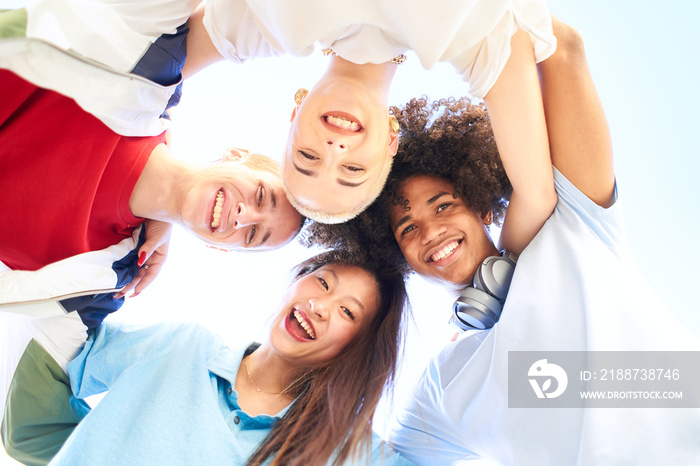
(135, 294)
(142, 259)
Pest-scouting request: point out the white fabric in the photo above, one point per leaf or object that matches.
(85, 49)
(25, 292)
(575, 288)
(128, 104)
(112, 32)
(473, 35)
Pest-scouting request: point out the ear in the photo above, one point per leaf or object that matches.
(393, 143)
(235, 154)
(299, 97)
(487, 217)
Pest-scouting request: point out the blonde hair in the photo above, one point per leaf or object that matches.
(341, 217)
(262, 162)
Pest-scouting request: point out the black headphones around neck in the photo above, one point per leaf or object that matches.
(479, 306)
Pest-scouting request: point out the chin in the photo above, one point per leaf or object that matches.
(451, 279)
(452, 282)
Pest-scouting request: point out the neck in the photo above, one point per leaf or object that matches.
(155, 195)
(377, 77)
(267, 372)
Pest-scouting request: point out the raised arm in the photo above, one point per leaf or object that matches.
(579, 138)
(518, 120)
(200, 49)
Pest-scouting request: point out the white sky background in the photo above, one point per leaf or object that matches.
(645, 64)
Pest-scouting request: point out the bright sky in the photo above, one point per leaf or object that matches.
(645, 64)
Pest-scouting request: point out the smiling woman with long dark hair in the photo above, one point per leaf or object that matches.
(178, 395)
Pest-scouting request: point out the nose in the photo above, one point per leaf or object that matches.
(319, 306)
(336, 145)
(243, 216)
(431, 231)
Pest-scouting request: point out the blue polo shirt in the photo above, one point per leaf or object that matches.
(170, 401)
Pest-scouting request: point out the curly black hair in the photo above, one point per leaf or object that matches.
(450, 138)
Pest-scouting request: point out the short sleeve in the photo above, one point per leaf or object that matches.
(234, 31)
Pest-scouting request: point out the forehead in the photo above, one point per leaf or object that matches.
(354, 281)
(325, 186)
(417, 191)
(283, 223)
(323, 193)
(347, 272)
(261, 172)
(424, 185)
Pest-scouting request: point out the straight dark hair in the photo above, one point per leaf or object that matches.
(335, 403)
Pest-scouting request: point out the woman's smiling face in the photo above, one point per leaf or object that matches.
(440, 236)
(339, 146)
(322, 312)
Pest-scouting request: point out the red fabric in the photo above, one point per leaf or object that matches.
(65, 177)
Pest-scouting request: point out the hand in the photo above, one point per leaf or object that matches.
(152, 255)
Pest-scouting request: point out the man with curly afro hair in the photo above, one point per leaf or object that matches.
(575, 288)
(449, 138)
(460, 145)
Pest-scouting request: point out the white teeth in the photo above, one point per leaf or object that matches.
(343, 123)
(218, 208)
(305, 325)
(444, 252)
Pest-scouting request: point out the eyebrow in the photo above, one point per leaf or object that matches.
(351, 297)
(314, 174)
(430, 201)
(265, 238)
(273, 206)
(436, 197)
(303, 171)
(403, 220)
(348, 183)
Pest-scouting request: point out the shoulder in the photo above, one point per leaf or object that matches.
(161, 337)
(573, 206)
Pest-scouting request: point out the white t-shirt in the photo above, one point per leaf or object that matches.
(575, 288)
(87, 50)
(473, 35)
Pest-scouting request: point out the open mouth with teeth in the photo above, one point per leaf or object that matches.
(299, 326)
(216, 211)
(446, 251)
(345, 123)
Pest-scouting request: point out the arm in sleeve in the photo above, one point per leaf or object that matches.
(422, 434)
(41, 411)
(384, 455)
(115, 348)
(430, 428)
(579, 136)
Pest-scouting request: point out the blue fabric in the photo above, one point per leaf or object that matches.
(163, 61)
(94, 308)
(168, 403)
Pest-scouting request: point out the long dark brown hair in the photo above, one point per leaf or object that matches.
(335, 403)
